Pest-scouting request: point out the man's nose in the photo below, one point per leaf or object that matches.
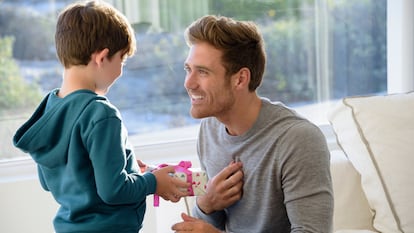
(190, 81)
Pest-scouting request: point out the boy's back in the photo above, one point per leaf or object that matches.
(68, 139)
(77, 137)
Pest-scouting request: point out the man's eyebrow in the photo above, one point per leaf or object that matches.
(201, 67)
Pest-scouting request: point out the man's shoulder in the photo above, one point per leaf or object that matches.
(282, 116)
(277, 108)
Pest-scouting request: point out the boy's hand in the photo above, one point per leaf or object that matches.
(223, 190)
(169, 187)
(142, 166)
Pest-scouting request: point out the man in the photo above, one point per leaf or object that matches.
(282, 182)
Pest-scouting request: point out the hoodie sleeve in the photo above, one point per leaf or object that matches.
(117, 178)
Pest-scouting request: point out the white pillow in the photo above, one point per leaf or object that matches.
(377, 135)
(352, 210)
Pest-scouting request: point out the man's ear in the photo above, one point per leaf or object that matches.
(99, 56)
(242, 78)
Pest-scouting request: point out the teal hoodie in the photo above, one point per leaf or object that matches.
(81, 148)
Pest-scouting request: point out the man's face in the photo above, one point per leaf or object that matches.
(207, 85)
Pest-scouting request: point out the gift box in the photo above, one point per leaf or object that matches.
(195, 176)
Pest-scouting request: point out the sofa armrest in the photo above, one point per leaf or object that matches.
(351, 209)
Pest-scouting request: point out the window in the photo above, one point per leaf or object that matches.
(318, 51)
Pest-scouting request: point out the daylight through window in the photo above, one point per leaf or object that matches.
(317, 50)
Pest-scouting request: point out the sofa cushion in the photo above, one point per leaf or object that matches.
(377, 135)
(351, 206)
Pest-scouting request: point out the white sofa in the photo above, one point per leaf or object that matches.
(372, 171)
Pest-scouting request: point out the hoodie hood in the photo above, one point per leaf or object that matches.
(47, 133)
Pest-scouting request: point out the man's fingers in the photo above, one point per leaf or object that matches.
(236, 177)
(229, 170)
(187, 218)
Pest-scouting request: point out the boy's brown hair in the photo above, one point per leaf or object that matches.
(88, 27)
(240, 41)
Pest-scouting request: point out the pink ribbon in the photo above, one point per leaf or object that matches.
(183, 167)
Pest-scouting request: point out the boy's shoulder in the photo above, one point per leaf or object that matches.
(89, 104)
(100, 105)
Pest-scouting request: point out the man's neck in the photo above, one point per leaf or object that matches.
(243, 116)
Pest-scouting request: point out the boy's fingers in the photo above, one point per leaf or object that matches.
(170, 169)
(140, 163)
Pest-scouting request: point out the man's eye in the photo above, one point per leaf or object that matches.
(202, 72)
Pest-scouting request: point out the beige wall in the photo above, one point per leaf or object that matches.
(26, 207)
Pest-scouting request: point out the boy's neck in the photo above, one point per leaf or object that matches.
(76, 78)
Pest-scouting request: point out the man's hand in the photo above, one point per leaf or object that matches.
(223, 190)
(191, 224)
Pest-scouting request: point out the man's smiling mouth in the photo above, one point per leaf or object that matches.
(196, 97)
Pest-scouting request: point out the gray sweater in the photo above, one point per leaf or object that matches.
(287, 181)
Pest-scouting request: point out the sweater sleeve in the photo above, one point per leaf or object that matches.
(306, 180)
(217, 219)
(117, 179)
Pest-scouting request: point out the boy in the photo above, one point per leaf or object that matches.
(77, 137)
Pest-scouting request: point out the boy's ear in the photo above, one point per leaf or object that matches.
(99, 56)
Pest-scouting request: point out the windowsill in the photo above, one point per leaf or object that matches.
(14, 170)
(158, 147)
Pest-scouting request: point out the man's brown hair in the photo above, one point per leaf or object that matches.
(240, 41)
(85, 28)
